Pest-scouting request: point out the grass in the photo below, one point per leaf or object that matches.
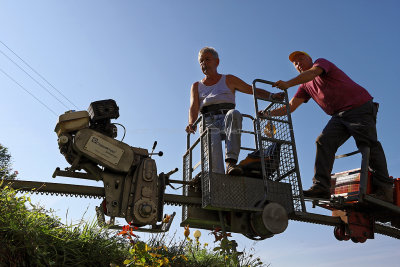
(29, 236)
(162, 250)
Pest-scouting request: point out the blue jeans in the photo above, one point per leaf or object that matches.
(224, 127)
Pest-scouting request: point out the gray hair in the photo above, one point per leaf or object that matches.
(210, 50)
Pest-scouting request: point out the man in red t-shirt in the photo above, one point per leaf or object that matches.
(353, 114)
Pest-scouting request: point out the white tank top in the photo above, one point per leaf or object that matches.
(215, 94)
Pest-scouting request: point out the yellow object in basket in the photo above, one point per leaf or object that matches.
(270, 129)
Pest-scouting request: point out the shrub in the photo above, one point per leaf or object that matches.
(6, 165)
(34, 238)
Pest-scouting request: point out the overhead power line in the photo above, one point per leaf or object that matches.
(37, 73)
(41, 85)
(26, 90)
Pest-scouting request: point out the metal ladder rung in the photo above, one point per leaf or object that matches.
(196, 166)
(348, 154)
(247, 148)
(271, 100)
(249, 132)
(270, 118)
(276, 140)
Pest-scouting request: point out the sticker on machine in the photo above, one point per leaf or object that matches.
(103, 149)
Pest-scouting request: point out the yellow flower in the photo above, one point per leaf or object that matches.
(187, 231)
(166, 218)
(197, 234)
(127, 261)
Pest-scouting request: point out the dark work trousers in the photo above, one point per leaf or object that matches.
(360, 123)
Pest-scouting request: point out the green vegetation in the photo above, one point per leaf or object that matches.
(32, 236)
(163, 251)
(6, 164)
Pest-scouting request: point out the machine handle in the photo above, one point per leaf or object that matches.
(265, 82)
(262, 81)
(188, 134)
(172, 172)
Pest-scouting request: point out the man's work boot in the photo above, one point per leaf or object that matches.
(317, 191)
(233, 169)
(384, 193)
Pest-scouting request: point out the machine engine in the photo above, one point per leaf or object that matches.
(133, 190)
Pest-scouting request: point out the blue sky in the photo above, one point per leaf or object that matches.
(143, 54)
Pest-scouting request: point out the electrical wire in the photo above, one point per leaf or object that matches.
(37, 99)
(122, 127)
(41, 85)
(39, 75)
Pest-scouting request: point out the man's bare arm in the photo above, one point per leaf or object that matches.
(235, 83)
(303, 77)
(194, 107)
(294, 103)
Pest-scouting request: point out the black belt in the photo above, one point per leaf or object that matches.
(216, 112)
(357, 106)
(217, 107)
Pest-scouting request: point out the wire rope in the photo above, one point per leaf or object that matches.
(41, 76)
(41, 85)
(26, 90)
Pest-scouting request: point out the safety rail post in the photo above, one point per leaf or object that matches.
(250, 132)
(190, 159)
(295, 181)
(206, 164)
(189, 149)
(258, 130)
(188, 166)
(365, 153)
(300, 185)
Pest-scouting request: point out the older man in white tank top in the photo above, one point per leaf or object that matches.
(214, 97)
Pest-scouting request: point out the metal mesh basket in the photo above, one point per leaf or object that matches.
(278, 130)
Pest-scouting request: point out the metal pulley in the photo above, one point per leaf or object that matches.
(62, 140)
(272, 220)
(275, 218)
